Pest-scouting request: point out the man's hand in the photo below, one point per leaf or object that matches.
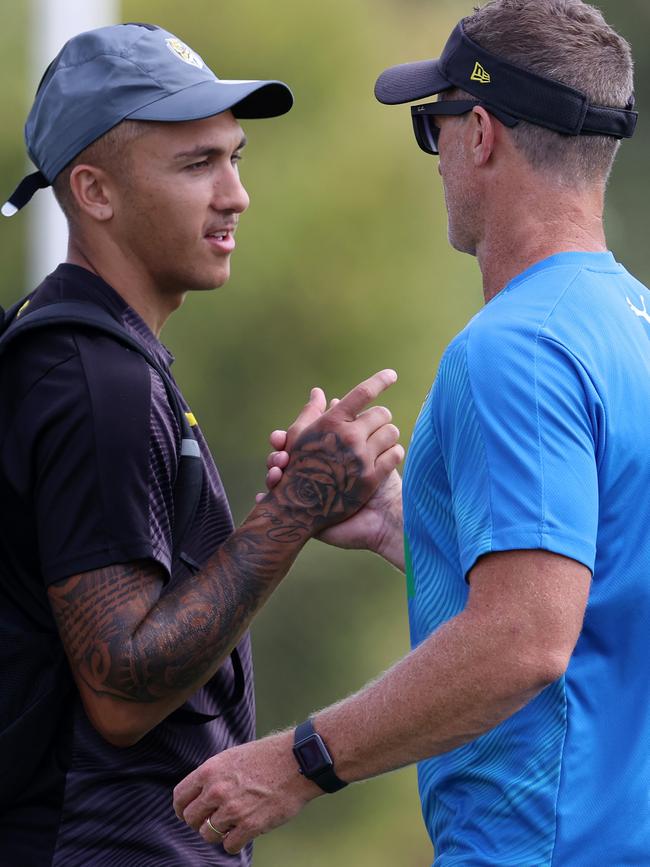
(245, 791)
(378, 526)
(336, 458)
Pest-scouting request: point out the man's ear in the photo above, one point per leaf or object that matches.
(483, 135)
(92, 192)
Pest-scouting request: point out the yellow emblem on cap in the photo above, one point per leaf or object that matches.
(180, 49)
(480, 74)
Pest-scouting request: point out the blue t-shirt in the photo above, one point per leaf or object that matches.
(536, 435)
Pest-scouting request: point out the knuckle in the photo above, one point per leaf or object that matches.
(213, 792)
(350, 436)
(365, 392)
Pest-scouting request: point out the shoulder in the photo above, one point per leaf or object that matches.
(93, 358)
(546, 311)
(59, 381)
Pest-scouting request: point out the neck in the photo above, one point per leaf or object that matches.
(528, 228)
(129, 280)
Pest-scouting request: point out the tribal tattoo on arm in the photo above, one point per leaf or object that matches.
(129, 637)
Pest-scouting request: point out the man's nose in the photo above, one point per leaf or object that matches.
(230, 194)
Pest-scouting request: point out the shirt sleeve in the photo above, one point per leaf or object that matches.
(101, 462)
(517, 418)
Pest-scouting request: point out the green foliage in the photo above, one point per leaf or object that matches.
(342, 268)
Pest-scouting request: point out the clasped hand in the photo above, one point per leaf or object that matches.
(336, 461)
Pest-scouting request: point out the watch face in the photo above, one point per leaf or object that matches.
(313, 755)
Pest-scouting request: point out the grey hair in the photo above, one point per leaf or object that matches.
(568, 40)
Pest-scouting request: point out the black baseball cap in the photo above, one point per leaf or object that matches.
(510, 92)
(127, 71)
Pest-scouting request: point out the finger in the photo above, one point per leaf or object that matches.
(364, 393)
(312, 410)
(333, 402)
(204, 804)
(388, 461)
(373, 419)
(259, 497)
(273, 477)
(236, 839)
(278, 439)
(277, 459)
(382, 439)
(184, 793)
(211, 831)
(195, 814)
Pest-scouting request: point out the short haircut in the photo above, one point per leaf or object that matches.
(570, 41)
(109, 152)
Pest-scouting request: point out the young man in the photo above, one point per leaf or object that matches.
(125, 652)
(526, 698)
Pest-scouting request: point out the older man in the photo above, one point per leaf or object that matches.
(117, 545)
(526, 698)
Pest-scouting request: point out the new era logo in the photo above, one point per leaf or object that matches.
(481, 75)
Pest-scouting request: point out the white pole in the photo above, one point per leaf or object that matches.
(53, 23)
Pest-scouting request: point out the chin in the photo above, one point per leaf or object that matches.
(461, 244)
(210, 281)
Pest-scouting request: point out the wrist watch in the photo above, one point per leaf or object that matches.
(314, 760)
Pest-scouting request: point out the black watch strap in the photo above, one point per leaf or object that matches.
(314, 759)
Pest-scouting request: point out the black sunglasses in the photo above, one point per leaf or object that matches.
(427, 132)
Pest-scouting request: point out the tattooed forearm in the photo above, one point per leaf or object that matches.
(93, 611)
(128, 638)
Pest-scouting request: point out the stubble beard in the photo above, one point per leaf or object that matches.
(462, 214)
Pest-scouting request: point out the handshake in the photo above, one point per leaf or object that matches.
(333, 472)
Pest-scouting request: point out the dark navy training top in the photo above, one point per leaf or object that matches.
(88, 455)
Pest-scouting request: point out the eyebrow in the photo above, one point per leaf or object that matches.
(208, 151)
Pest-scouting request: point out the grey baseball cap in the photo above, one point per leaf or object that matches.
(127, 71)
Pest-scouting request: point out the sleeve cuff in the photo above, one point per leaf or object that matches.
(103, 557)
(574, 547)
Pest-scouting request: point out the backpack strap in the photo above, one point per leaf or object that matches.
(85, 314)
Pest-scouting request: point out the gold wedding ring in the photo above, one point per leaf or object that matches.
(216, 830)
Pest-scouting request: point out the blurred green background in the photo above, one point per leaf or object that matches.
(342, 268)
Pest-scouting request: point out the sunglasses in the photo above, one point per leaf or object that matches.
(427, 131)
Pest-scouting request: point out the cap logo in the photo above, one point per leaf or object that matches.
(480, 74)
(180, 49)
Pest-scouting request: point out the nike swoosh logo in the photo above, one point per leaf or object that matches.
(641, 312)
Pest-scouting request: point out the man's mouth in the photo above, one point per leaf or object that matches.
(221, 240)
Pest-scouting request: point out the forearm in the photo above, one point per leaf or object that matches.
(456, 686)
(137, 649)
(514, 637)
(149, 650)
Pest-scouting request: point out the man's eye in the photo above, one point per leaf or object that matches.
(236, 158)
(195, 166)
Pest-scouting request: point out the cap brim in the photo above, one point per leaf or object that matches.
(247, 99)
(410, 81)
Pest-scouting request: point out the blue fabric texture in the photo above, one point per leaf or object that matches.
(534, 436)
